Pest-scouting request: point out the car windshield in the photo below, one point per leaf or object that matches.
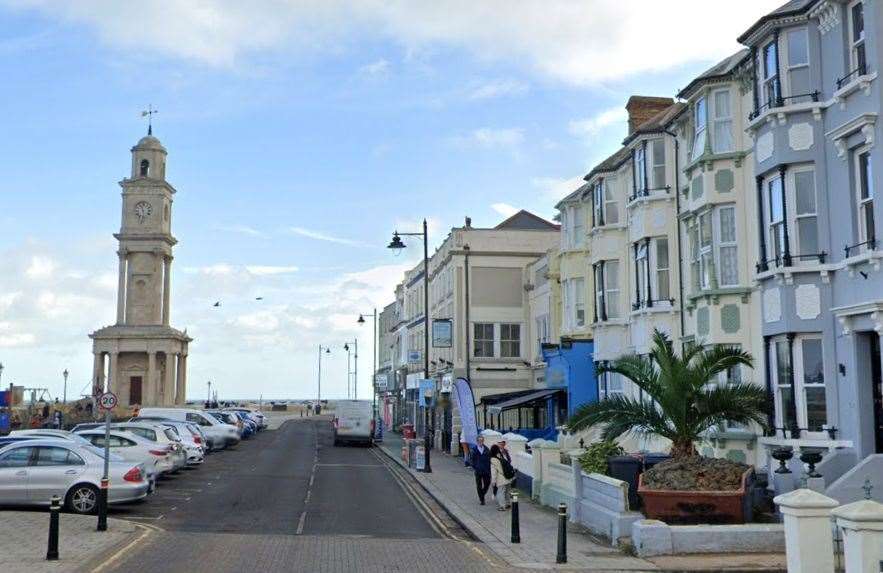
(172, 434)
(100, 452)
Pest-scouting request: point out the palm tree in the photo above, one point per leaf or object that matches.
(682, 404)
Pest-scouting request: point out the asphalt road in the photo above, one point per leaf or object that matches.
(288, 500)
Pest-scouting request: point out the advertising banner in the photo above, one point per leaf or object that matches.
(414, 356)
(382, 382)
(447, 383)
(442, 333)
(427, 392)
(465, 401)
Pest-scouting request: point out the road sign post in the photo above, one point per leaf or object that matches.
(106, 402)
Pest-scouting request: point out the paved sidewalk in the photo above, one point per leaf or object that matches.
(24, 535)
(453, 486)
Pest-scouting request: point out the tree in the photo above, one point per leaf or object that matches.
(682, 402)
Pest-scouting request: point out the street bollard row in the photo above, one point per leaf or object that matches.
(561, 557)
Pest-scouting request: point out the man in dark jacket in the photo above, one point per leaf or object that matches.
(481, 464)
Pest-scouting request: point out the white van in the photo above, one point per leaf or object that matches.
(218, 434)
(353, 422)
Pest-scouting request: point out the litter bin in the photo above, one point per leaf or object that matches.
(627, 469)
(654, 458)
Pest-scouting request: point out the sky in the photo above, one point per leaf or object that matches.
(300, 135)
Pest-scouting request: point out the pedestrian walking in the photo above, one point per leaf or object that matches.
(502, 475)
(481, 465)
(464, 448)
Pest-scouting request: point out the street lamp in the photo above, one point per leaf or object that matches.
(319, 384)
(208, 401)
(65, 374)
(397, 245)
(355, 382)
(361, 321)
(1, 370)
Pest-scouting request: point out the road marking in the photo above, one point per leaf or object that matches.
(145, 532)
(303, 516)
(351, 465)
(421, 506)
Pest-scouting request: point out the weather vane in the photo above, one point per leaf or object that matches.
(149, 114)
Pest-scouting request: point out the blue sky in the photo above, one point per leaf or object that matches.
(300, 134)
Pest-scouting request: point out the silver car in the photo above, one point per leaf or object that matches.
(163, 436)
(32, 471)
(134, 448)
(191, 438)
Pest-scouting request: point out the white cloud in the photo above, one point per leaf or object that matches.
(497, 89)
(17, 340)
(504, 209)
(242, 230)
(576, 41)
(320, 236)
(490, 138)
(555, 188)
(376, 68)
(41, 267)
(269, 270)
(591, 127)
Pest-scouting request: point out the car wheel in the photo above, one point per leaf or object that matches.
(82, 499)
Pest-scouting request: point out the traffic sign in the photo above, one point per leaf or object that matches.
(108, 401)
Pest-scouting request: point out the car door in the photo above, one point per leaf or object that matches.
(14, 469)
(54, 469)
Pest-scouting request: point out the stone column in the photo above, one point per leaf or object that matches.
(862, 524)
(180, 385)
(150, 390)
(168, 397)
(167, 277)
(121, 289)
(97, 371)
(809, 543)
(113, 384)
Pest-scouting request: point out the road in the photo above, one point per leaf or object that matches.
(288, 500)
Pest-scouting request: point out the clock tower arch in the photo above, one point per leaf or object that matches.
(145, 356)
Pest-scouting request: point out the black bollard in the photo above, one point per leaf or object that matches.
(516, 525)
(562, 534)
(54, 509)
(102, 505)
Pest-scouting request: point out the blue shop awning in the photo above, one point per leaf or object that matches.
(517, 402)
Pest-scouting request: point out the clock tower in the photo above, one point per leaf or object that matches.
(142, 358)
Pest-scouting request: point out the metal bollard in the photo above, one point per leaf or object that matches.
(562, 534)
(102, 505)
(54, 509)
(516, 525)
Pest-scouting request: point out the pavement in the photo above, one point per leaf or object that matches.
(452, 485)
(24, 536)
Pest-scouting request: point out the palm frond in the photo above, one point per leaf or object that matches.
(620, 415)
(736, 403)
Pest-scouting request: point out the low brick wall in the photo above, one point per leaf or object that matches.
(651, 537)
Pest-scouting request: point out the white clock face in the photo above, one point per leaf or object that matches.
(143, 211)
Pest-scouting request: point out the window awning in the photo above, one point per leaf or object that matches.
(519, 401)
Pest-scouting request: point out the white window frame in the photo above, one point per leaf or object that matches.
(700, 127)
(610, 293)
(610, 199)
(720, 245)
(797, 247)
(578, 227)
(662, 274)
(797, 368)
(856, 45)
(499, 328)
(657, 173)
(719, 120)
(775, 227)
(476, 339)
(641, 252)
(771, 85)
(579, 302)
(598, 203)
(610, 384)
(705, 251)
(640, 168)
(864, 206)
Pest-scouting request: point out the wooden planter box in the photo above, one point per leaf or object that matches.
(692, 507)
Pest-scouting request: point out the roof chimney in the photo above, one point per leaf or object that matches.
(468, 222)
(642, 108)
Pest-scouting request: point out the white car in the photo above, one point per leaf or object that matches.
(131, 447)
(49, 434)
(353, 422)
(161, 435)
(219, 435)
(256, 415)
(190, 436)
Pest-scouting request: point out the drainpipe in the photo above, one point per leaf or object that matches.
(677, 189)
(468, 326)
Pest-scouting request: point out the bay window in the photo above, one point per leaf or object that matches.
(639, 171)
(700, 118)
(605, 210)
(579, 304)
(776, 223)
(806, 217)
(714, 248)
(578, 228)
(857, 56)
(657, 172)
(609, 384)
(722, 118)
(652, 272)
(770, 87)
(606, 276)
(798, 373)
(791, 217)
(663, 270)
(797, 45)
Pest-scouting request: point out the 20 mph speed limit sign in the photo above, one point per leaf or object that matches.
(108, 401)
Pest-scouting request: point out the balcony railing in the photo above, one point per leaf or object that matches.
(647, 192)
(780, 261)
(781, 101)
(861, 70)
(871, 244)
(652, 302)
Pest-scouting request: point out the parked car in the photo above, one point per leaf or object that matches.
(191, 437)
(353, 422)
(256, 415)
(87, 426)
(131, 447)
(219, 435)
(228, 418)
(32, 471)
(47, 434)
(162, 436)
(249, 427)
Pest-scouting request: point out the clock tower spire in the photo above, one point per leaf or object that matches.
(147, 357)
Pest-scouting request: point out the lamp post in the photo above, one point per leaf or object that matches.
(397, 244)
(346, 346)
(319, 384)
(374, 372)
(65, 374)
(208, 400)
